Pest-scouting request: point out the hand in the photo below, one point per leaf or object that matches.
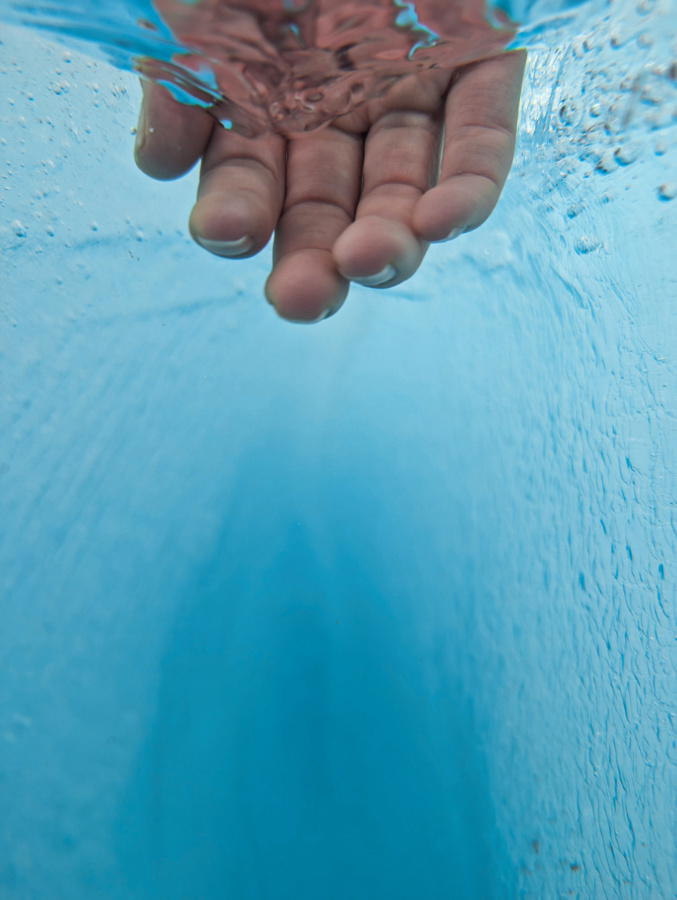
(359, 200)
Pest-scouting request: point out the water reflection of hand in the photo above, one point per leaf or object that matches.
(351, 202)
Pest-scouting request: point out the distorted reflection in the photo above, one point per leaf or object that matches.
(294, 65)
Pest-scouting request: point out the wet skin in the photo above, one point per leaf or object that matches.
(360, 200)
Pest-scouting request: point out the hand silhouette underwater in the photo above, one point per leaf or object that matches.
(359, 200)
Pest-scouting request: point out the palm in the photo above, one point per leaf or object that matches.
(359, 200)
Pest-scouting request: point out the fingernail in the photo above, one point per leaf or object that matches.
(386, 274)
(227, 248)
(140, 139)
(328, 313)
(454, 233)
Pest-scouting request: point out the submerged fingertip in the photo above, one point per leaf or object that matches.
(302, 291)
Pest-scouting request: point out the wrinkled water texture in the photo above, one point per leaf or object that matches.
(287, 65)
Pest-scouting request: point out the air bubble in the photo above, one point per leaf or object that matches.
(586, 244)
(579, 48)
(567, 113)
(658, 119)
(667, 191)
(644, 7)
(607, 163)
(619, 37)
(626, 153)
(650, 96)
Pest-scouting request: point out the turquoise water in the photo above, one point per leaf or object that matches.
(382, 608)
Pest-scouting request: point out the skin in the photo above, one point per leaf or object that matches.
(360, 200)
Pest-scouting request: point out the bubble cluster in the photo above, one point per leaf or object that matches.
(607, 100)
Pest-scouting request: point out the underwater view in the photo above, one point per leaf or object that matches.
(378, 608)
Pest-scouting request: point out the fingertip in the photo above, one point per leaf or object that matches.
(377, 252)
(170, 137)
(460, 204)
(232, 224)
(305, 287)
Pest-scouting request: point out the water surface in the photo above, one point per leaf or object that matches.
(290, 66)
(384, 608)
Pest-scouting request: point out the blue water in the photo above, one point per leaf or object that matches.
(382, 609)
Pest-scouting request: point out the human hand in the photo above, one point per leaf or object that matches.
(359, 200)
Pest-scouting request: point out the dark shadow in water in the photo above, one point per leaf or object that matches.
(300, 751)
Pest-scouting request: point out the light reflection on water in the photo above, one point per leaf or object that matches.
(273, 63)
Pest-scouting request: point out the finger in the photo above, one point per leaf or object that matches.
(170, 137)
(241, 192)
(323, 178)
(481, 123)
(381, 249)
